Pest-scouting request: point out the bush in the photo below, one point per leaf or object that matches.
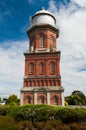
(71, 115)
(44, 113)
(4, 110)
(36, 113)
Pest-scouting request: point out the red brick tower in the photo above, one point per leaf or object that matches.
(42, 80)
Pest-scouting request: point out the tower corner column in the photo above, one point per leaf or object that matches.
(21, 99)
(62, 96)
(35, 97)
(48, 98)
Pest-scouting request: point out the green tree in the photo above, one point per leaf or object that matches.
(76, 98)
(0, 99)
(81, 95)
(13, 100)
(73, 100)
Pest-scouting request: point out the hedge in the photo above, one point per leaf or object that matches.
(45, 112)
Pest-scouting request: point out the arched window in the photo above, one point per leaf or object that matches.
(42, 100)
(31, 68)
(52, 67)
(41, 68)
(29, 100)
(55, 100)
(41, 41)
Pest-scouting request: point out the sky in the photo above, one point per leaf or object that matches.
(71, 21)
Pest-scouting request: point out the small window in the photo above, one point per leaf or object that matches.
(41, 68)
(42, 100)
(29, 100)
(52, 67)
(41, 41)
(31, 67)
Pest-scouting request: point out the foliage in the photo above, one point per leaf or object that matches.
(76, 98)
(81, 95)
(8, 123)
(36, 112)
(69, 115)
(12, 100)
(0, 99)
(66, 103)
(73, 100)
(4, 110)
(45, 113)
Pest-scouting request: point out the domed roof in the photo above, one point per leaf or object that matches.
(43, 11)
(42, 17)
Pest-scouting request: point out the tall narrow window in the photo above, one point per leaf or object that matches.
(55, 100)
(41, 41)
(51, 41)
(52, 67)
(29, 100)
(31, 68)
(41, 68)
(42, 100)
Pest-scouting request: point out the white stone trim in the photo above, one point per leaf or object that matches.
(21, 98)
(62, 96)
(48, 98)
(35, 98)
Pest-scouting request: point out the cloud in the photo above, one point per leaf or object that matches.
(12, 67)
(81, 3)
(71, 21)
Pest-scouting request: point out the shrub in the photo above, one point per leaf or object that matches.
(45, 112)
(71, 115)
(4, 110)
(36, 113)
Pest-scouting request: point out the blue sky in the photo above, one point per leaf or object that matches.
(14, 21)
(14, 16)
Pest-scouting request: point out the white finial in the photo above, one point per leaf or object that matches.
(43, 8)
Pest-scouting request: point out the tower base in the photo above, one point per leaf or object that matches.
(52, 95)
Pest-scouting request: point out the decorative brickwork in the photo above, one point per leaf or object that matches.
(42, 80)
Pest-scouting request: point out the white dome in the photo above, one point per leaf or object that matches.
(43, 17)
(43, 11)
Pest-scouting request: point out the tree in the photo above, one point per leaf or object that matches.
(76, 98)
(81, 95)
(12, 99)
(0, 99)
